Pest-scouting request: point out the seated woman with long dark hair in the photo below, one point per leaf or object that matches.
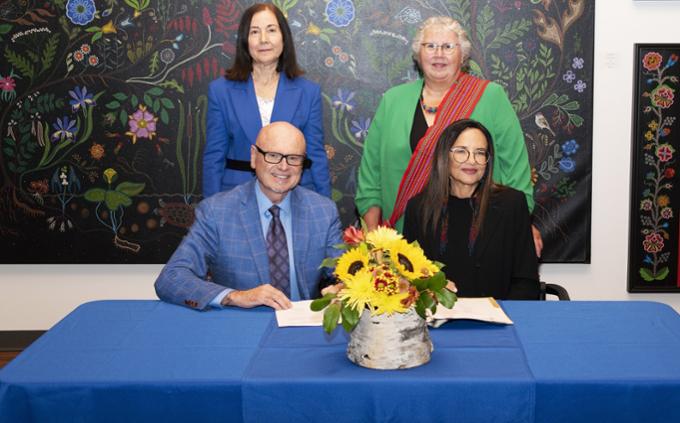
(480, 230)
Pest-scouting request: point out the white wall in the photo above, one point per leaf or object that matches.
(36, 297)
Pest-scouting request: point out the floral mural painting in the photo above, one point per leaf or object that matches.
(654, 238)
(103, 105)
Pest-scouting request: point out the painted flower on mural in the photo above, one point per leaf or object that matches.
(343, 100)
(652, 61)
(167, 56)
(360, 127)
(7, 87)
(569, 76)
(664, 152)
(653, 243)
(669, 172)
(142, 124)
(93, 60)
(580, 86)
(672, 60)
(649, 135)
(567, 164)
(663, 201)
(97, 151)
(80, 98)
(653, 125)
(85, 48)
(78, 55)
(667, 213)
(646, 204)
(340, 13)
(65, 129)
(577, 63)
(662, 96)
(570, 147)
(80, 12)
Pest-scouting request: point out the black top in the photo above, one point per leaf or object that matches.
(503, 262)
(419, 126)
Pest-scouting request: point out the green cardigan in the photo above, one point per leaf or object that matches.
(387, 148)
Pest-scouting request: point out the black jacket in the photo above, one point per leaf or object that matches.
(503, 260)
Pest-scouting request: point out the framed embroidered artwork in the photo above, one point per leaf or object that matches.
(653, 253)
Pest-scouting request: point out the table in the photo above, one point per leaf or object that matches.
(149, 361)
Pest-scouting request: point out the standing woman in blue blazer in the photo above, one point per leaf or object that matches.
(262, 86)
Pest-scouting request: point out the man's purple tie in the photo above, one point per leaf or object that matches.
(277, 250)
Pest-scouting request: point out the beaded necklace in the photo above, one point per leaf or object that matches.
(427, 109)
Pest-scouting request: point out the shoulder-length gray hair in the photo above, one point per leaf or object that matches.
(448, 24)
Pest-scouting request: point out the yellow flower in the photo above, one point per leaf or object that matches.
(350, 263)
(653, 125)
(109, 174)
(382, 237)
(358, 290)
(649, 135)
(109, 28)
(663, 200)
(313, 29)
(389, 303)
(410, 260)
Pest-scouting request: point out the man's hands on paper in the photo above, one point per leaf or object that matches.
(261, 295)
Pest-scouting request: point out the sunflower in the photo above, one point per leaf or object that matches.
(358, 290)
(351, 262)
(389, 303)
(410, 260)
(382, 237)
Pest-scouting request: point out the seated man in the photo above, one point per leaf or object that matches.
(262, 242)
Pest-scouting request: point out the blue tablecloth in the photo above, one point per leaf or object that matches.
(150, 361)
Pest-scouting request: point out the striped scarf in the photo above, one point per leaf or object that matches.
(458, 103)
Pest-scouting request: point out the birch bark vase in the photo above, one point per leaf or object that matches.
(399, 341)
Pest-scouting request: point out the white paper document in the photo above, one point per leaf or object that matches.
(299, 315)
(484, 309)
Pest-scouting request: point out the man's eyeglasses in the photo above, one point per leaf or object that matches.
(447, 48)
(275, 158)
(462, 154)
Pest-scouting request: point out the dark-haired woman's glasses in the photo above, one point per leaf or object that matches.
(462, 154)
(275, 158)
(447, 48)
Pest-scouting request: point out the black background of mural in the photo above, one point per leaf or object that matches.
(150, 62)
(654, 238)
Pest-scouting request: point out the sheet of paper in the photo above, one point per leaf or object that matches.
(299, 315)
(485, 309)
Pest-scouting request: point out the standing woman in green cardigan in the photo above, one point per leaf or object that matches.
(398, 150)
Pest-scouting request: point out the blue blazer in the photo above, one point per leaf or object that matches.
(226, 241)
(233, 123)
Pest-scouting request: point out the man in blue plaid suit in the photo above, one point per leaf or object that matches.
(224, 261)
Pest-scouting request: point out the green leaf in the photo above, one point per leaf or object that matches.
(446, 298)
(96, 36)
(49, 52)
(336, 195)
(167, 103)
(437, 282)
(134, 101)
(156, 105)
(663, 273)
(420, 284)
(123, 117)
(95, 195)
(130, 188)
(120, 96)
(325, 38)
(576, 120)
(155, 91)
(5, 28)
(329, 262)
(350, 318)
(153, 64)
(485, 21)
(331, 317)
(114, 104)
(20, 62)
(148, 100)
(171, 83)
(646, 274)
(8, 151)
(115, 199)
(321, 303)
(93, 29)
(572, 105)
(164, 116)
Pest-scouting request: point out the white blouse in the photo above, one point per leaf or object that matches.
(266, 107)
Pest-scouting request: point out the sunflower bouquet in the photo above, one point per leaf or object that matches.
(383, 273)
